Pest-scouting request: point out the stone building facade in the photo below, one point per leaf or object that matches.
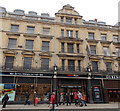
(86, 53)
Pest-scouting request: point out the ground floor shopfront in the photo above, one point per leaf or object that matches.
(43, 85)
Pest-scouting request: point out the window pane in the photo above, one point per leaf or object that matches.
(93, 49)
(79, 65)
(62, 47)
(12, 43)
(45, 46)
(62, 33)
(118, 52)
(71, 65)
(108, 67)
(46, 31)
(62, 19)
(30, 29)
(115, 38)
(9, 62)
(75, 21)
(69, 20)
(14, 28)
(76, 34)
(78, 49)
(91, 36)
(63, 64)
(45, 64)
(29, 44)
(94, 66)
(70, 48)
(104, 37)
(106, 51)
(27, 62)
(69, 33)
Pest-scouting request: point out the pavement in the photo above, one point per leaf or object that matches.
(72, 106)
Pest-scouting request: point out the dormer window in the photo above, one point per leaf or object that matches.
(69, 20)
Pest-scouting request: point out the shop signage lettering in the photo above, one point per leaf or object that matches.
(27, 74)
(113, 76)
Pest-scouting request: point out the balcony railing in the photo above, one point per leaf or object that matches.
(63, 69)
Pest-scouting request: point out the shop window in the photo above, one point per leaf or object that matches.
(9, 62)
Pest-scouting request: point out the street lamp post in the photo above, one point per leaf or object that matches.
(55, 87)
(89, 84)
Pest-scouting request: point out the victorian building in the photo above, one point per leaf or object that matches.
(80, 55)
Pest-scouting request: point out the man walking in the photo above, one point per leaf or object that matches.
(27, 95)
(5, 100)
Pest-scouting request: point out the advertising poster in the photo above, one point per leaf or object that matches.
(10, 89)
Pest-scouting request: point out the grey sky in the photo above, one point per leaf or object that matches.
(103, 10)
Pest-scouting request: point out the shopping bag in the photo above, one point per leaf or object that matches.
(36, 100)
(50, 107)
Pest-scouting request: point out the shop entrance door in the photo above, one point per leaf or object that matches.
(71, 90)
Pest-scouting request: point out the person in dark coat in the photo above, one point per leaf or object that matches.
(5, 100)
(27, 95)
(68, 99)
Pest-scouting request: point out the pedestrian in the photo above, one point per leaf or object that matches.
(5, 100)
(61, 99)
(52, 102)
(76, 98)
(35, 99)
(71, 96)
(49, 96)
(80, 99)
(84, 99)
(27, 101)
(68, 99)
